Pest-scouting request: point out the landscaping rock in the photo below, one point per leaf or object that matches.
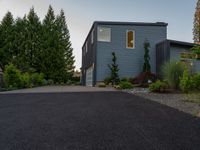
(175, 100)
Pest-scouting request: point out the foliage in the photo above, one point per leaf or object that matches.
(26, 80)
(158, 86)
(124, 80)
(192, 98)
(50, 82)
(196, 49)
(107, 80)
(125, 85)
(12, 76)
(114, 70)
(146, 66)
(196, 28)
(35, 46)
(6, 39)
(171, 72)
(76, 79)
(37, 79)
(65, 43)
(102, 85)
(144, 78)
(117, 87)
(196, 81)
(185, 81)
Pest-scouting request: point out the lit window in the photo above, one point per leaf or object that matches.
(130, 42)
(104, 34)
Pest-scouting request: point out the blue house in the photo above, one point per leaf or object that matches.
(126, 39)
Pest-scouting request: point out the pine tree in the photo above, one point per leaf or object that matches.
(146, 66)
(6, 38)
(196, 29)
(48, 44)
(20, 54)
(114, 70)
(33, 46)
(53, 60)
(66, 49)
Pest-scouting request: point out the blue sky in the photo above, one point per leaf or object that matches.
(80, 15)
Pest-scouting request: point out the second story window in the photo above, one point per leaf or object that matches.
(130, 39)
(104, 34)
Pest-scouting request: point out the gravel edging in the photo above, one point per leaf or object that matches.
(170, 99)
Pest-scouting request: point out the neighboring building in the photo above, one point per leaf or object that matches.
(126, 39)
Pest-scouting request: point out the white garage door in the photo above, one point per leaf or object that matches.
(89, 76)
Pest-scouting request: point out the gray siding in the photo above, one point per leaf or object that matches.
(130, 61)
(89, 58)
(175, 55)
(162, 55)
(175, 52)
(196, 65)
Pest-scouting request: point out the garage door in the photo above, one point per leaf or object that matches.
(89, 76)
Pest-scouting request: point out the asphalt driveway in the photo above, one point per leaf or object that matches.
(93, 121)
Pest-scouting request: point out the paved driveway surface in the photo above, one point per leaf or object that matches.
(59, 89)
(93, 121)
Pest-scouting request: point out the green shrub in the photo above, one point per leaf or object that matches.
(196, 81)
(196, 49)
(102, 85)
(124, 80)
(185, 82)
(117, 87)
(12, 77)
(107, 80)
(37, 79)
(125, 85)
(172, 71)
(158, 86)
(25, 80)
(76, 79)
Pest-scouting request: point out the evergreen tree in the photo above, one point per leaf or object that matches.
(114, 70)
(52, 61)
(48, 44)
(146, 66)
(20, 54)
(65, 47)
(6, 39)
(196, 29)
(33, 44)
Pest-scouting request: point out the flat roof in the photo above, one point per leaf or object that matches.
(131, 23)
(181, 43)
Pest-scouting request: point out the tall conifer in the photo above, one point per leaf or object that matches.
(65, 45)
(6, 39)
(196, 29)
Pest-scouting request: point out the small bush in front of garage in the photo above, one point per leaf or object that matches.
(102, 85)
(107, 80)
(125, 85)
